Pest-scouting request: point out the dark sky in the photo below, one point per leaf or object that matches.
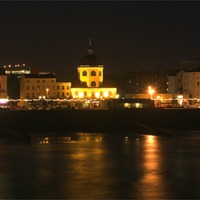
(125, 35)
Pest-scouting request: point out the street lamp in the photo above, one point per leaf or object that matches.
(47, 90)
(151, 91)
(42, 100)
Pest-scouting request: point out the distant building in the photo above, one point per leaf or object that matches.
(42, 86)
(35, 86)
(63, 90)
(191, 83)
(3, 84)
(91, 84)
(175, 82)
(14, 73)
(17, 69)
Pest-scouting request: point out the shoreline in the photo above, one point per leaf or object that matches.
(99, 120)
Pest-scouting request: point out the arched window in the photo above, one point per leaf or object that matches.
(84, 73)
(99, 73)
(93, 73)
(93, 84)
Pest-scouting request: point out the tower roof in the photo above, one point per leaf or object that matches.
(90, 58)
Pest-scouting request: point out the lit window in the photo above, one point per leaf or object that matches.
(84, 73)
(93, 84)
(93, 73)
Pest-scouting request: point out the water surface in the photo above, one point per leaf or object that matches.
(101, 166)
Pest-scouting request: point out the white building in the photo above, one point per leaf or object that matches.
(191, 83)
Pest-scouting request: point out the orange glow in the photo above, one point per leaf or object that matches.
(151, 182)
(105, 94)
(80, 95)
(151, 91)
(97, 94)
(150, 138)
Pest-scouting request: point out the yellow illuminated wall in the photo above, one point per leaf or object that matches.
(92, 76)
(97, 93)
(63, 90)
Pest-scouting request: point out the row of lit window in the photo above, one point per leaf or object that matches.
(94, 94)
(43, 87)
(93, 73)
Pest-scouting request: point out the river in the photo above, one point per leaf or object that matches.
(101, 166)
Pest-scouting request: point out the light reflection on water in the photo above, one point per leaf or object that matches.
(151, 183)
(101, 166)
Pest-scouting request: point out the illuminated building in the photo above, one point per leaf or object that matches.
(36, 86)
(3, 85)
(17, 69)
(63, 90)
(89, 91)
(91, 85)
(14, 73)
(42, 86)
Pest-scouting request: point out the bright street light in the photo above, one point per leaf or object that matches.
(151, 91)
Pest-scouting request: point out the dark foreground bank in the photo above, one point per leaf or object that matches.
(99, 120)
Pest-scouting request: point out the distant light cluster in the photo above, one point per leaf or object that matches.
(15, 65)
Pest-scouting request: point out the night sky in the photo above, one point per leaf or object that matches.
(53, 36)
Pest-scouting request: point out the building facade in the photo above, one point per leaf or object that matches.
(63, 90)
(91, 85)
(191, 83)
(34, 86)
(3, 84)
